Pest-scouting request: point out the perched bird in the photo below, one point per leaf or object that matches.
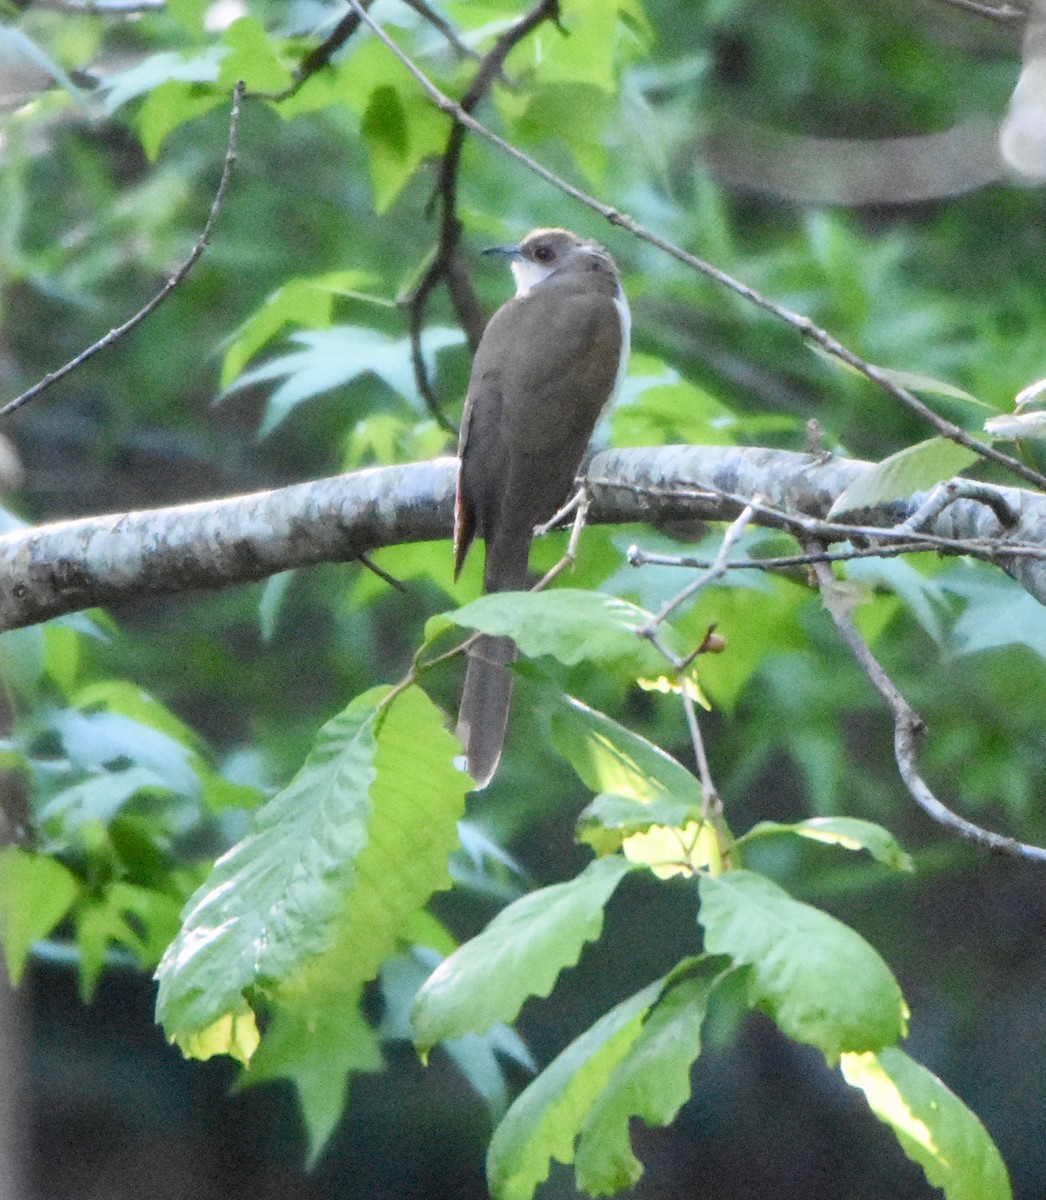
(548, 362)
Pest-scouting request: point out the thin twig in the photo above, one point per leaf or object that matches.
(945, 494)
(1006, 14)
(716, 570)
(802, 325)
(318, 57)
(837, 531)
(444, 27)
(102, 8)
(644, 558)
(908, 728)
(200, 245)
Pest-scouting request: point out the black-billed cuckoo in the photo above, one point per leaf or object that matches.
(548, 362)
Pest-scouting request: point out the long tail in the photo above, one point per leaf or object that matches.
(485, 699)
(483, 715)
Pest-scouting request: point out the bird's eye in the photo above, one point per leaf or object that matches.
(544, 254)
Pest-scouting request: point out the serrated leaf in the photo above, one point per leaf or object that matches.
(520, 954)
(418, 800)
(569, 624)
(911, 470)
(933, 1126)
(817, 978)
(35, 894)
(313, 900)
(652, 1082)
(273, 900)
(848, 832)
(548, 1115)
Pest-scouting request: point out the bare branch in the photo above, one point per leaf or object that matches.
(908, 728)
(59, 568)
(716, 570)
(200, 245)
(319, 56)
(1005, 14)
(102, 8)
(802, 325)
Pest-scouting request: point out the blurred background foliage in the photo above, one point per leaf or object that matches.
(143, 738)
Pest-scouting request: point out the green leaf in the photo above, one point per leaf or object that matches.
(662, 408)
(998, 613)
(307, 301)
(252, 58)
(608, 757)
(95, 739)
(169, 106)
(158, 69)
(335, 356)
(548, 1115)
(318, 1049)
(520, 954)
(934, 1127)
(911, 470)
(848, 832)
(610, 820)
(817, 978)
(418, 800)
(569, 624)
(35, 894)
(101, 923)
(235, 1035)
(652, 1082)
(272, 902)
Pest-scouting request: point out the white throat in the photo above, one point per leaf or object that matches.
(528, 274)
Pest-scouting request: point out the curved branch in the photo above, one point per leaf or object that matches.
(908, 728)
(69, 565)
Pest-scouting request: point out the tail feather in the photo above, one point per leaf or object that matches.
(483, 716)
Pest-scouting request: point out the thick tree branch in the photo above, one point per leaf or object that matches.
(69, 565)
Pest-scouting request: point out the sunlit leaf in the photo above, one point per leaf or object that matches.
(334, 357)
(252, 58)
(308, 301)
(934, 1127)
(849, 832)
